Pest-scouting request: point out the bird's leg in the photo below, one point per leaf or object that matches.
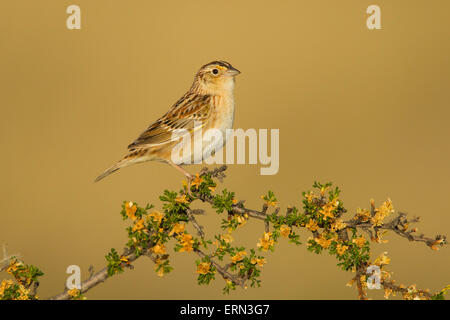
(187, 174)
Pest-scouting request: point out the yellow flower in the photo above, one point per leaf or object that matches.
(340, 249)
(186, 241)
(177, 228)
(74, 292)
(382, 260)
(363, 280)
(310, 197)
(212, 189)
(157, 217)
(238, 256)
(24, 293)
(269, 203)
(312, 225)
(338, 225)
(266, 241)
(181, 199)
(328, 208)
(259, 262)
(382, 212)
(14, 265)
(196, 182)
(240, 219)
(387, 293)
(226, 237)
(272, 203)
(139, 225)
(204, 268)
(130, 210)
(362, 214)
(5, 285)
(125, 260)
(323, 242)
(435, 245)
(285, 230)
(360, 242)
(159, 249)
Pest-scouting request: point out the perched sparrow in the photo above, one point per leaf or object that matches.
(209, 104)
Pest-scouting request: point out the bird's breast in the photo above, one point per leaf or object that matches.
(222, 116)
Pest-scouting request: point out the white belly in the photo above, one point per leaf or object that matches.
(216, 132)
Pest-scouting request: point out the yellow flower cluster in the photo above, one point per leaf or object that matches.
(138, 225)
(387, 293)
(14, 265)
(328, 208)
(125, 260)
(130, 210)
(312, 225)
(360, 242)
(382, 260)
(241, 219)
(159, 249)
(310, 196)
(204, 268)
(435, 245)
(186, 242)
(157, 217)
(382, 212)
(227, 238)
(413, 294)
(238, 257)
(182, 199)
(177, 228)
(337, 225)
(74, 292)
(323, 242)
(266, 242)
(362, 214)
(340, 249)
(285, 230)
(269, 203)
(259, 262)
(23, 292)
(197, 181)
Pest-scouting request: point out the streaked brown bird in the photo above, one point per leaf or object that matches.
(209, 104)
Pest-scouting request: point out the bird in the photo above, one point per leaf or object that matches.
(208, 104)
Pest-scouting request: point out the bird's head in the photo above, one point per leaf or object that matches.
(216, 77)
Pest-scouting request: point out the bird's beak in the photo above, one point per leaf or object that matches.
(233, 72)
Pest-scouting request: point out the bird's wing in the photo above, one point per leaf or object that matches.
(189, 110)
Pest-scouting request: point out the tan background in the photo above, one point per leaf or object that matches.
(366, 109)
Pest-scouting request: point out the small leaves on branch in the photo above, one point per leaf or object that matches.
(151, 232)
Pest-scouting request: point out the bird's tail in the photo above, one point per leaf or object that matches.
(110, 170)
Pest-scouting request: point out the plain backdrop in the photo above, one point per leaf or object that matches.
(365, 109)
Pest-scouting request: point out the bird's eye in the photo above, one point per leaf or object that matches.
(215, 71)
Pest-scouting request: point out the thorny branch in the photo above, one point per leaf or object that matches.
(362, 221)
